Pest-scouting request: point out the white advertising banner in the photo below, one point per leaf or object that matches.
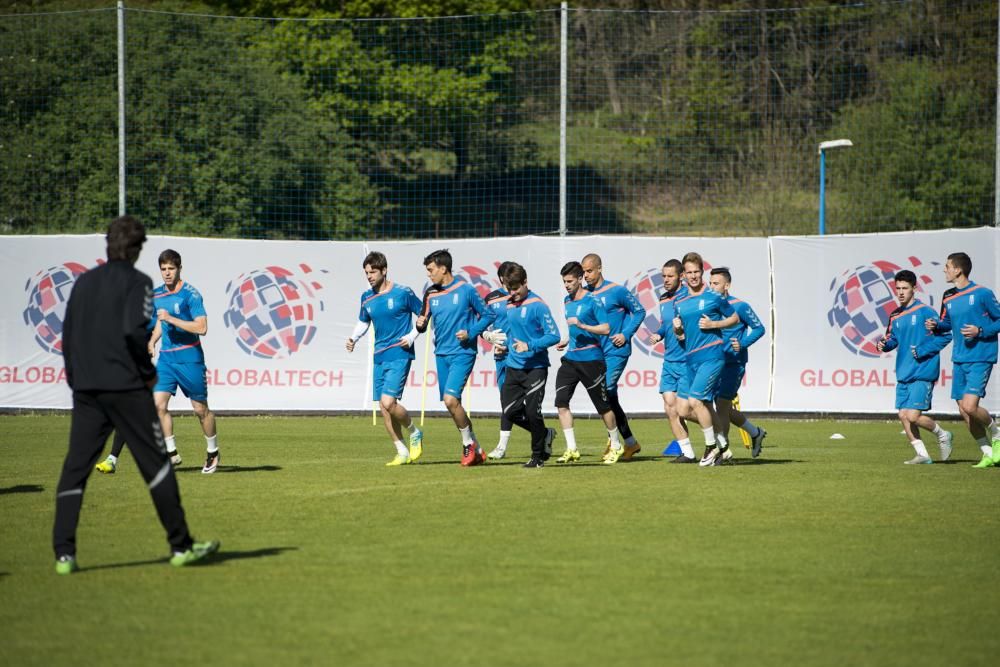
(280, 311)
(832, 299)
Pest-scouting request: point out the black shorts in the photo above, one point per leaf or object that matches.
(588, 373)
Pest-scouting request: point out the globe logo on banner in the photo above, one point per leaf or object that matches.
(272, 311)
(863, 299)
(647, 286)
(48, 291)
(481, 280)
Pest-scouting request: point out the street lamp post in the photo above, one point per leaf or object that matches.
(836, 143)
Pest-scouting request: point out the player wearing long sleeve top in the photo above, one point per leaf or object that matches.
(459, 317)
(918, 365)
(530, 333)
(736, 340)
(972, 313)
(625, 315)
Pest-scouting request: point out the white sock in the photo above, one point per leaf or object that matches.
(994, 429)
(686, 447)
(113, 459)
(211, 442)
(918, 446)
(504, 439)
(630, 441)
(984, 445)
(750, 428)
(721, 439)
(411, 428)
(570, 436)
(616, 438)
(467, 437)
(938, 431)
(401, 448)
(171, 444)
(709, 436)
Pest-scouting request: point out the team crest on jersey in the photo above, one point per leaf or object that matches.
(272, 311)
(865, 296)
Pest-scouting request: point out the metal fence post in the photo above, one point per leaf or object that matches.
(563, 89)
(121, 107)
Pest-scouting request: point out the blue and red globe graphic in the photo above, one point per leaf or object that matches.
(863, 299)
(48, 291)
(273, 311)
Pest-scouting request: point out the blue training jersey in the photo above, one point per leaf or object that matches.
(496, 302)
(625, 315)
(583, 345)
(701, 345)
(530, 321)
(747, 331)
(975, 305)
(184, 303)
(456, 307)
(907, 332)
(673, 351)
(391, 313)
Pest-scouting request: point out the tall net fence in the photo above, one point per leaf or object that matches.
(693, 123)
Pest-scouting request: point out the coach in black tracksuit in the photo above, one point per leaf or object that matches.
(108, 368)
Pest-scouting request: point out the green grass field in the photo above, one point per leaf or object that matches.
(822, 552)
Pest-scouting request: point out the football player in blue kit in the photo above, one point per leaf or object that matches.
(530, 333)
(390, 308)
(698, 322)
(460, 316)
(496, 301)
(972, 314)
(625, 315)
(918, 365)
(181, 322)
(583, 362)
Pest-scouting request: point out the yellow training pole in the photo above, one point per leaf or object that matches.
(744, 436)
(427, 356)
(371, 359)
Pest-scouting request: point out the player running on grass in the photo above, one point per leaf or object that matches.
(918, 365)
(971, 311)
(496, 301)
(698, 322)
(736, 340)
(625, 314)
(390, 308)
(673, 376)
(459, 318)
(583, 362)
(531, 332)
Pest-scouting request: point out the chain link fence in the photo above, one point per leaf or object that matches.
(677, 123)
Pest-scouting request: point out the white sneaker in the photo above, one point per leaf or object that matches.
(944, 443)
(917, 460)
(175, 458)
(725, 457)
(498, 453)
(709, 458)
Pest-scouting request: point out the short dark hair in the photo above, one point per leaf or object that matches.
(125, 238)
(961, 261)
(376, 260)
(906, 276)
(694, 258)
(674, 264)
(503, 268)
(722, 271)
(169, 256)
(440, 257)
(574, 269)
(516, 275)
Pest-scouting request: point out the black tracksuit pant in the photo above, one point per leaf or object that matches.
(521, 398)
(133, 415)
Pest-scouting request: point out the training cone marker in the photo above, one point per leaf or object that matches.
(673, 449)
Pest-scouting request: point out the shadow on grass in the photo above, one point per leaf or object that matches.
(21, 488)
(268, 468)
(217, 558)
